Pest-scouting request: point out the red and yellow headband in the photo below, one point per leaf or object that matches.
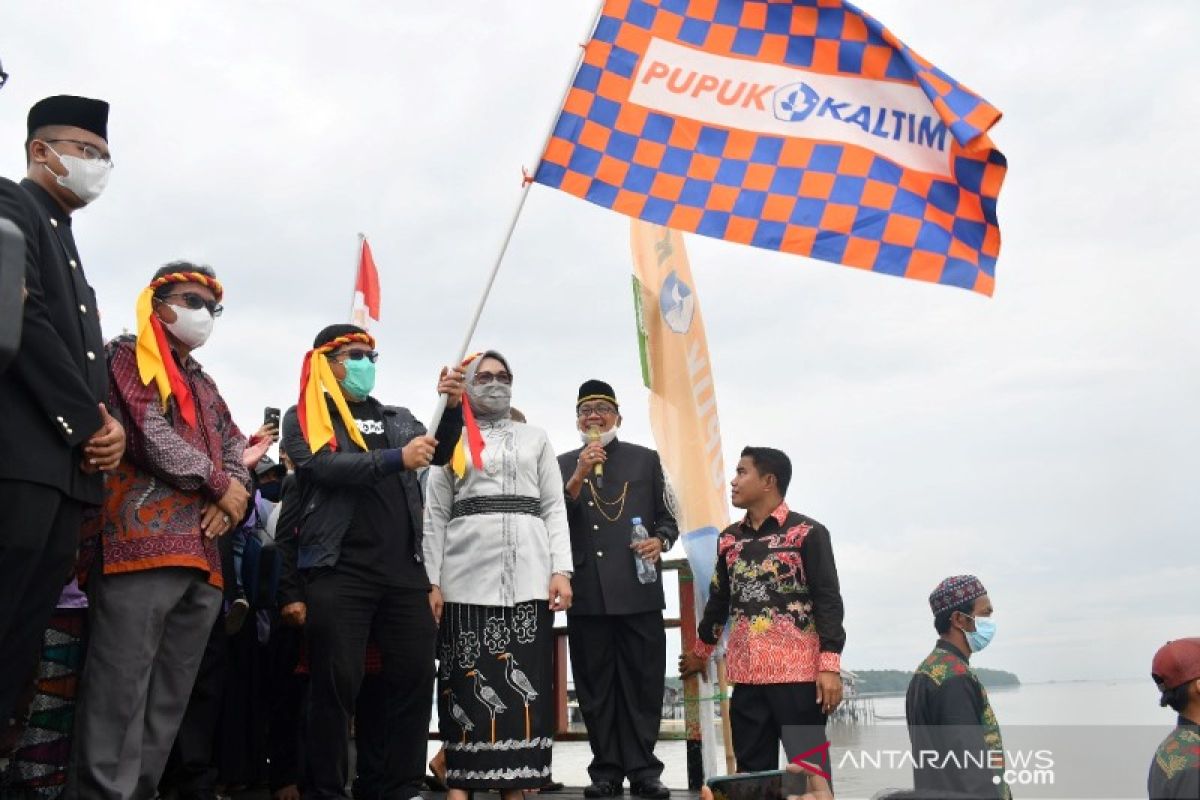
(153, 359)
(317, 379)
(189, 277)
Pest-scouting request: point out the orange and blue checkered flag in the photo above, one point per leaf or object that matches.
(796, 125)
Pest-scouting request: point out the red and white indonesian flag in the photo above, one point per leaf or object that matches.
(365, 310)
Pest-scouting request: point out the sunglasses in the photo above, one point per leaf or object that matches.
(196, 302)
(484, 378)
(358, 355)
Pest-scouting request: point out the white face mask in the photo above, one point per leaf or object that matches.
(192, 326)
(605, 438)
(85, 178)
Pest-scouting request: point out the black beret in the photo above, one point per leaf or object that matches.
(65, 109)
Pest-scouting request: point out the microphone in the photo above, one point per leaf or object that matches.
(597, 469)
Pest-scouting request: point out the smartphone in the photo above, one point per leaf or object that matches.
(271, 417)
(748, 786)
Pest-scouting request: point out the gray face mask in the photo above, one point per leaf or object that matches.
(491, 401)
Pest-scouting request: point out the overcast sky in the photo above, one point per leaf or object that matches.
(1044, 439)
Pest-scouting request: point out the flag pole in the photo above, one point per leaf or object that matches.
(440, 409)
(362, 237)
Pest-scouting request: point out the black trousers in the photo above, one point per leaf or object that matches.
(619, 663)
(343, 612)
(287, 696)
(370, 739)
(39, 534)
(763, 715)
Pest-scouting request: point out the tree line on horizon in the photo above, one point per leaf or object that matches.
(875, 681)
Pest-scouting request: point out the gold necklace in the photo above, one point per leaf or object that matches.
(601, 503)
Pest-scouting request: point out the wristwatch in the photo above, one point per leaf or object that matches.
(564, 573)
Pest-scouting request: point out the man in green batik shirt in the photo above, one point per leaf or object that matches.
(1175, 771)
(954, 734)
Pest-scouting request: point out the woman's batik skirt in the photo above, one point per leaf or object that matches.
(496, 695)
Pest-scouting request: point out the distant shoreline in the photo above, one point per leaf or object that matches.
(1052, 682)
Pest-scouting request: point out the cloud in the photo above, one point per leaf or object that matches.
(1044, 439)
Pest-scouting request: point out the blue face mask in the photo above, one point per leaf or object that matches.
(360, 378)
(981, 637)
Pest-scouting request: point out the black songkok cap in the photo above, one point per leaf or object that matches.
(596, 390)
(334, 331)
(65, 109)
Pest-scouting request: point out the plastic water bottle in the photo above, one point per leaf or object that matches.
(646, 571)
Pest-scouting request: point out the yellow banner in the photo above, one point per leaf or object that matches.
(683, 400)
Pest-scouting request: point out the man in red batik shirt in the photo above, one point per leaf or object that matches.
(776, 582)
(155, 591)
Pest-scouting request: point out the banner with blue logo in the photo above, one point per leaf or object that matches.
(803, 126)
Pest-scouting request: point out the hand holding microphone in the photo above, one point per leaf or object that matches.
(597, 456)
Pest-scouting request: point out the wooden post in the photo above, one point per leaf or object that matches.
(562, 721)
(726, 724)
(691, 686)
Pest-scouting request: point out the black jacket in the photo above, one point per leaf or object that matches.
(605, 579)
(325, 480)
(51, 392)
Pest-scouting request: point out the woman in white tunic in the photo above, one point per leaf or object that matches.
(498, 552)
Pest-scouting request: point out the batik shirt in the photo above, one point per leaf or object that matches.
(1175, 771)
(778, 588)
(170, 472)
(948, 712)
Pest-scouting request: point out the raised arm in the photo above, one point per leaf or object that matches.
(447, 435)
(336, 467)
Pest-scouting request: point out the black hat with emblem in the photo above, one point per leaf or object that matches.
(596, 390)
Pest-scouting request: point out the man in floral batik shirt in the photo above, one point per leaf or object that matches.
(776, 582)
(1175, 770)
(947, 707)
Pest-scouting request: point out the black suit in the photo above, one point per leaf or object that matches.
(49, 397)
(615, 624)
